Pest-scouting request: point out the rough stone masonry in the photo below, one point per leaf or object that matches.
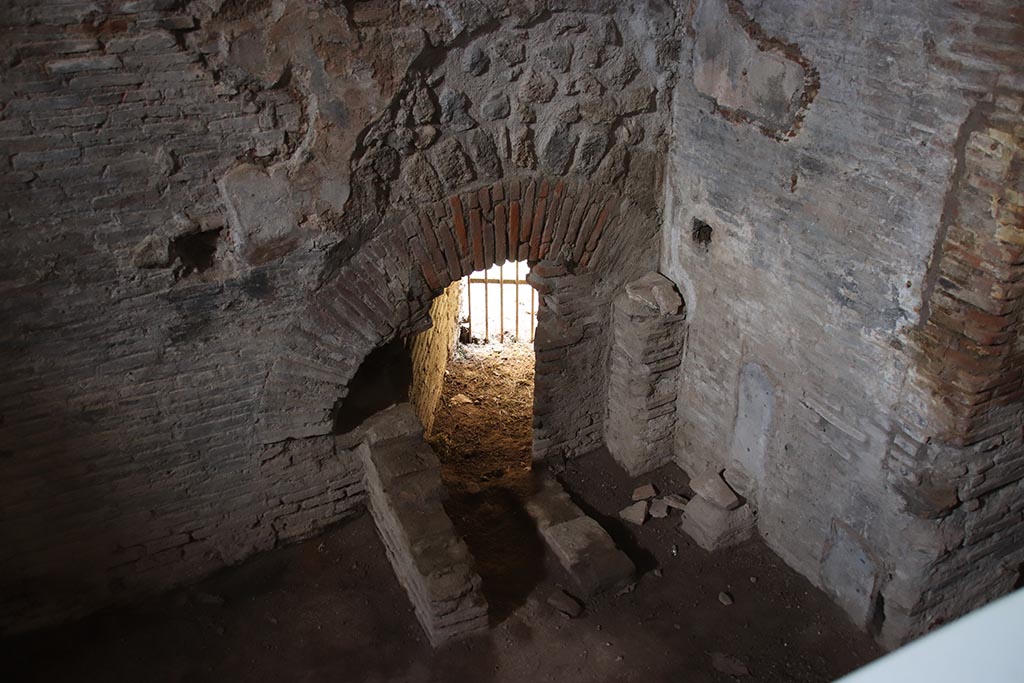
(214, 210)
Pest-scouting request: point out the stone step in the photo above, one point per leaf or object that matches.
(580, 544)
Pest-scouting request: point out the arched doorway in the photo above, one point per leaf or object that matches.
(473, 385)
(583, 244)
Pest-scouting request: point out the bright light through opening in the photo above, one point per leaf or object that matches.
(498, 306)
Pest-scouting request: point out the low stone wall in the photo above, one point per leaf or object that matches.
(581, 545)
(430, 353)
(406, 495)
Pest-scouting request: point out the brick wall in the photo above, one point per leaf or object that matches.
(202, 201)
(963, 464)
(863, 268)
(213, 213)
(126, 399)
(431, 351)
(645, 349)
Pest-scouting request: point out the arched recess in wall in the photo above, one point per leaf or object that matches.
(581, 239)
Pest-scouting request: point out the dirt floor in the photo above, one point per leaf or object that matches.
(483, 425)
(330, 609)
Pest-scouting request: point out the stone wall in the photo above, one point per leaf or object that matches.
(430, 353)
(212, 214)
(843, 218)
(213, 211)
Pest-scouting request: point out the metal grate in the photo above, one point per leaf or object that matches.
(498, 305)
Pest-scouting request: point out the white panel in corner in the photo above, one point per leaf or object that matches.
(986, 646)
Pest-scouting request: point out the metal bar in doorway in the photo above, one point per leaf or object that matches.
(487, 279)
(533, 313)
(517, 300)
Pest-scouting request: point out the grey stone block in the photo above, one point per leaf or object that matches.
(714, 527)
(580, 544)
(399, 420)
(635, 513)
(262, 213)
(455, 110)
(495, 106)
(710, 486)
(851, 574)
(475, 61)
(586, 551)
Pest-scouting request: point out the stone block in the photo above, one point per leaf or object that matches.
(674, 500)
(406, 496)
(455, 110)
(586, 551)
(644, 492)
(537, 86)
(397, 421)
(659, 508)
(751, 431)
(451, 163)
(714, 527)
(559, 149)
(558, 56)
(485, 153)
(262, 213)
(580, 544)
(509, 50)
(551, 505)
(657, 292)
(591, 150)
(475, 61)
(850, 574)
(495, 106)
(710, 486)
(635, 513)
(421, 179)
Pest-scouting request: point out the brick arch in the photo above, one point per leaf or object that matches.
(569, 230)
